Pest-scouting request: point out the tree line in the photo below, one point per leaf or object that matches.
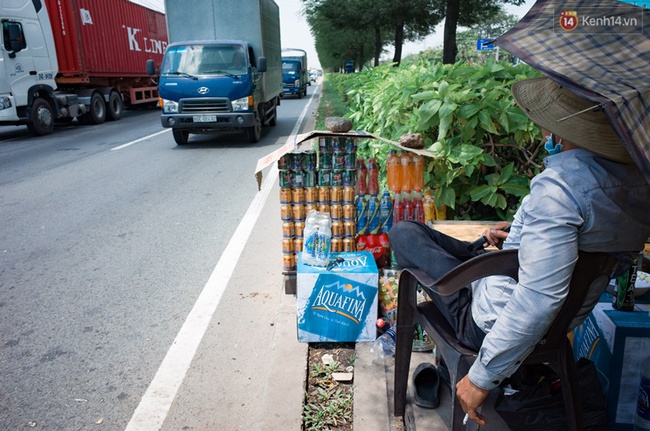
(359, 30)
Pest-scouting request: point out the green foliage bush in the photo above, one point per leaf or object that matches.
(486, 150)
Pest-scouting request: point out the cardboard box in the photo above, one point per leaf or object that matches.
(339, 304)
(618, 342)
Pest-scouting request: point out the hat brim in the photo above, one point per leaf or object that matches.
(559, 111)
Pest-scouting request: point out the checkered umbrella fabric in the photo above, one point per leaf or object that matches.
(599, 50)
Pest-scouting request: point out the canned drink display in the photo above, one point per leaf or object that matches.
(338, 160)
(323, 194)
(288, 262)
(287, 245)
(299, 212)
(337, 229)
(336, 195)
(286, 212)
(311, 195)
(324, 208)
(349, 228)
(309, 160)
(349, 177)
(286, 179)
(297, 161)
(286, 195)
(297, 179)
(299, 227)
(349, 244)
(336, 245)
(350, 145)
(324, 144)
(349, 212)
(309, 207)
(325, 160)
(309, 179)
(325, 178)
(350, 161)
(348, 194)
(337, 144)
(298, 195)
(337, 178)
(288, 229)
(336, 211)
(297, 244)
(284, 162)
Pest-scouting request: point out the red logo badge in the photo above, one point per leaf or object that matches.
(568, 20)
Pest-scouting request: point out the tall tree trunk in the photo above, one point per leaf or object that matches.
(450, 49)
(362, 56)
(399, 41)
(377, 45)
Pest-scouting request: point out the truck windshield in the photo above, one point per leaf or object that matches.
(193, 60)
(289, 66)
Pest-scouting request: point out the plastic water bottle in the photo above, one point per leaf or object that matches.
(642, 418)
(383, 348)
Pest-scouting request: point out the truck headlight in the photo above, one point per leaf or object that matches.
(297, 83)
(170, 107)
(240, 104)
(5, 103)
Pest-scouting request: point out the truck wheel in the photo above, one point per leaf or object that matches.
(255, 132)
(300, 93)
(181, 136)
(42, 122)
(115, 106)
(97, 110)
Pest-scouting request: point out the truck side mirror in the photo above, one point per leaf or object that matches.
(261, 64)
(16, 41)
(151, 67)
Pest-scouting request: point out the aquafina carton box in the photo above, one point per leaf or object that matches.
(338, 303)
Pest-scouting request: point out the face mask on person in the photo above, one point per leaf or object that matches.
(551, 146)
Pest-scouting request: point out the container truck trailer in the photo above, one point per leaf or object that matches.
(84, 59)
(222, 69)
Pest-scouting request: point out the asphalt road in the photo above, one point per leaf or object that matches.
(109, 235)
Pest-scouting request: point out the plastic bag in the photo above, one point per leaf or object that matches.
(540, 406)
(318, 238)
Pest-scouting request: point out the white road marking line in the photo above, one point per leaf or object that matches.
(128, 144)
(157, 400)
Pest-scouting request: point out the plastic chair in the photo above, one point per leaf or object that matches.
(590, 278)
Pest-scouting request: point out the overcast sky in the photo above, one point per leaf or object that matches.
(295, 31)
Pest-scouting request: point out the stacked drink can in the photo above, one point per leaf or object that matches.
(322, 180)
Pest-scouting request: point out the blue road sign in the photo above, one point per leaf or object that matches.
(483, 45)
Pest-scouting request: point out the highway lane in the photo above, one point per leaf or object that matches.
(104, 249)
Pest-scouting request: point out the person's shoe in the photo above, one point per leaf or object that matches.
(425, 386)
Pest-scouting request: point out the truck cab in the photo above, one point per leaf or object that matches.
(293, 77)
(211, 86)
(27, 69)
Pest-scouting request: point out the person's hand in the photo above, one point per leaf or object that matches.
(471, 397)
(495, 235)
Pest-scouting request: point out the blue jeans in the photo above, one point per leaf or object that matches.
(418, 246)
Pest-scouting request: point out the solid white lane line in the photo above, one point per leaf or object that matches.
(128, 144)
(157, 400)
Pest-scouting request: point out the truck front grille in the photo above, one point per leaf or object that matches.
(204, 105)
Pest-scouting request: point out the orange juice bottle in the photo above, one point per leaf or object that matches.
(406, 165)
(393, 171)
(418, 172)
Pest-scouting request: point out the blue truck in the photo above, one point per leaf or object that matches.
(295, 74)
(222, 69)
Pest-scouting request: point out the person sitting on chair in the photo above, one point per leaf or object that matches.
(589, 197)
